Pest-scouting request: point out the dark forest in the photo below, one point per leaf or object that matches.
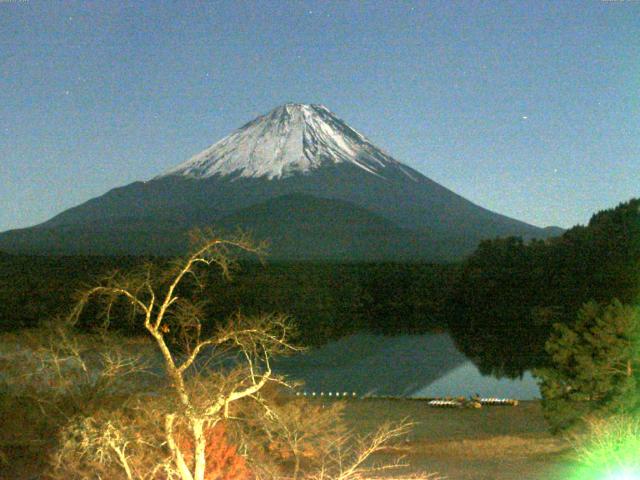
(499, 304)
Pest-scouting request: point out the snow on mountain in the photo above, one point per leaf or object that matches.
(291, 139)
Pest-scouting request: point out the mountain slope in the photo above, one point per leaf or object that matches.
(294, 149)
(303, 227)
(295, 226)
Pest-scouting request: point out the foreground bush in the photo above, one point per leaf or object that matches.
(608, 448)
(223, 460)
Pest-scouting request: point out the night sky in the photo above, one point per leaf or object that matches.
(531, 109)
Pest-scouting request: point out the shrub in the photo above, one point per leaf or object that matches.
(608, 448)
(223, 460)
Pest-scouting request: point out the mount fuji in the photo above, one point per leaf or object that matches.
(299, 177)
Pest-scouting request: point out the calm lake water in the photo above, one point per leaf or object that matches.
(414, 366)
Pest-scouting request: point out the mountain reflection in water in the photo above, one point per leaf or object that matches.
(427, 365)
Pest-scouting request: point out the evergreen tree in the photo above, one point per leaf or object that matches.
(594, 365)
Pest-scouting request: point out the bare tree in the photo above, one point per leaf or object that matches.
(166, 316)
(350, 457)
(199, 397)
(290, 434)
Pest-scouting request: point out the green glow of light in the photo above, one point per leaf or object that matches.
(610, 450)
(624, 474)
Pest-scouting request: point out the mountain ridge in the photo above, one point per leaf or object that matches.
(294, 149)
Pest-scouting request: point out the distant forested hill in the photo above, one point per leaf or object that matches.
(36, 288)
(510, 293)
(327, 300)
(499, 304)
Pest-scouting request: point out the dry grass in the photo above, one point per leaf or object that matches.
(498, 448)
(456, 444)
(492, 443)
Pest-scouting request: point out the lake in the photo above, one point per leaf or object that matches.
(413, 366)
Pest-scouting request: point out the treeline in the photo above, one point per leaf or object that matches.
(331, 300)
(34, 289)
(509, 294)
(327, 300)
(499, 305)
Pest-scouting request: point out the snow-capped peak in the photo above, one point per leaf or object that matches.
(293, 138)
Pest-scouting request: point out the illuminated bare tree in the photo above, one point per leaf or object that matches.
(155, 302)
(200, 396)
